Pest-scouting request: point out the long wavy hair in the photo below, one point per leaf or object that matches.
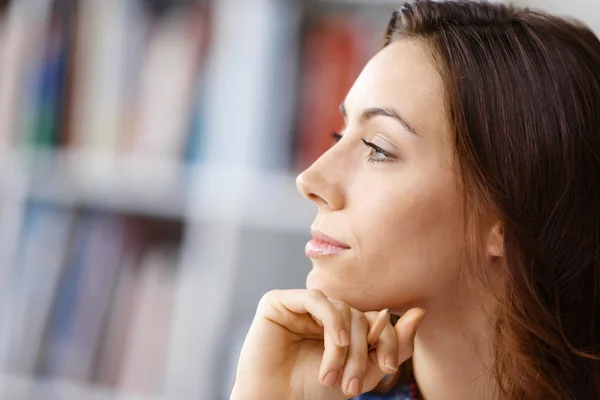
(523, 97)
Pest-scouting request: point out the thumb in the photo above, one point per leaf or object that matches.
(406, 330)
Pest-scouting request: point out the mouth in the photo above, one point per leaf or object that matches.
(323, 245)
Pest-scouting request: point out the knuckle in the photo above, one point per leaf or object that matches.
(315, 295)
(268, 299)
(389, 335)
(360, 318)
(344, 309)
(371, 316)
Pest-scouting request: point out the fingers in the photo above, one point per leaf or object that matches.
(387, 350)
(334, 357)
(377, 327)
(406, 329)
(395, 346)
(346, 364)
(282, 306)
(358, 358)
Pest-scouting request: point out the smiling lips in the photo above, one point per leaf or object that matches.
(323, 245)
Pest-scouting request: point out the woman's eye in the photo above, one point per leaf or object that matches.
(377, 154)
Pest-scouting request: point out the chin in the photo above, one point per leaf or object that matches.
(333, 287)
(357, 296)
(330, 286)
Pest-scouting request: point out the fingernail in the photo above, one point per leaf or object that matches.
(390, 364)
(331, 378)
(355, 386)
(344, 337)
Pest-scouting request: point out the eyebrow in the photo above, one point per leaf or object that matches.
(369, 113)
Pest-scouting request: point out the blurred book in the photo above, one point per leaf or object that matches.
(114, 342)
(110, 320)
(23, 39)
(282, 68)
(197, 129)
(197, 125)
(32, 283)
(169, 69)
(99, 270)
(96, 119)
(136, 73)
(143, 365)
(333, 56)
(45, 88)
(248, 102)
(3, 6)
(61, 330)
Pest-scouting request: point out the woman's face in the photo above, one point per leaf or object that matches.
(398, 210)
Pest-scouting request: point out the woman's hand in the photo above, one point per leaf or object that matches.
(303, 345)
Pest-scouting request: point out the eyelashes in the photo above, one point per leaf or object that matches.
(376, 154)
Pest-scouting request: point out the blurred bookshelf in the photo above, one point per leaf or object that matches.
(195, 193)
(107, 181)
(148, 157)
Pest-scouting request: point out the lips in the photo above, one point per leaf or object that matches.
(323, 245)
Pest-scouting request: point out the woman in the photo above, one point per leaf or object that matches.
(466, 185)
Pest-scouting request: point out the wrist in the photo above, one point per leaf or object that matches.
(251, 392)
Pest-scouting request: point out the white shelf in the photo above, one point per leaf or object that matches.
(26, 387)
(123, 183)
(164, 188)
(258, 199)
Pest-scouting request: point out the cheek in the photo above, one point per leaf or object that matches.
(411, 238)
(407, 245)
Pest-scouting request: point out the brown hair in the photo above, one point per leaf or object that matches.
(523, 95)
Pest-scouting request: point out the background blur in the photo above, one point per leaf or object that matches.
(148, 153)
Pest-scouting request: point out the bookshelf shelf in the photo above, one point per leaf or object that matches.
(259, 199)
(143, 80)
(199, 193)
(121, 183)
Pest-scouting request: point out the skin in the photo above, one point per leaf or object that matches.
(402, 219)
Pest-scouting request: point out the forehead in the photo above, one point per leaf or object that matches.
(403, 76)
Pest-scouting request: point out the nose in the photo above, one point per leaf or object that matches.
(321, 184)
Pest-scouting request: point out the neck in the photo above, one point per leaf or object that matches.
(452, 357)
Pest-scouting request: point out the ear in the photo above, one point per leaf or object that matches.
(495, 240)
